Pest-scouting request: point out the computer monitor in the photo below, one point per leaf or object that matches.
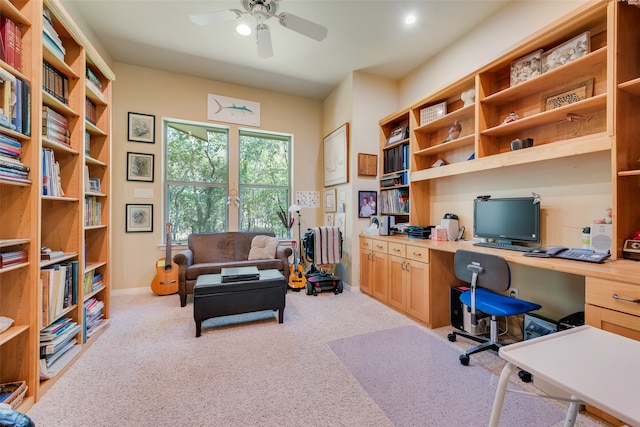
(507, 220)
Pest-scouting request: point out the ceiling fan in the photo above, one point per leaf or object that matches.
(261, 11)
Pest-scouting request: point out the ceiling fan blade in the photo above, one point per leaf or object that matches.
(265, 49)
(303, 26)
(207, 18)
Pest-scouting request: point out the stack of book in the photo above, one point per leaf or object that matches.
(93, 81)
(92, 211)
(55, 126)
(92, 281)
(58, 346)
(10, 43)
(91, 113)
(59, 289)
(55, 83)
(93, 317)
(11, 168)
(11, 258)
(50, 37)
(51, 183)
(394, 201)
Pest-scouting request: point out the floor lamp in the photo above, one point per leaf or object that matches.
(296, 208)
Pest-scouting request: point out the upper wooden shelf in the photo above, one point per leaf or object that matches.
(447, 146)
(447, 119)
(583, 107)
(632, 86)
(553, 78)
(571, 147)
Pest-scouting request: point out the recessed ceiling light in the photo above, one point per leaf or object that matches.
(410, 19)
(243, 29)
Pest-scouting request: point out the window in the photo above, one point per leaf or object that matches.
(265, 160)
(196, 178)
(199, 197)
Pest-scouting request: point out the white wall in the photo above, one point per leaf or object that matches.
(515, 22)
(176, 96)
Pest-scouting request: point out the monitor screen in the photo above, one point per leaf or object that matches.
(507, 220)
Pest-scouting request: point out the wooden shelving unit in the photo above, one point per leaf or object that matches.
(29, 219)
(602, 122)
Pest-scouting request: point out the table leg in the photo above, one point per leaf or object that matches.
(572, 412)
(500, 392)
(198, 328)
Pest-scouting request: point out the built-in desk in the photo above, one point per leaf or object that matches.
(612, 289)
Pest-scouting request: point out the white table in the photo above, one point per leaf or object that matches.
(596, 367)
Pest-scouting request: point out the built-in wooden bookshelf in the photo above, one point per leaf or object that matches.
(604, 121)
(54, 59)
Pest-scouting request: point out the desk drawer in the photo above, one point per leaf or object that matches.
(618, 296)
(379, 246)
(417, 253)
(397, 249)
(366, 243)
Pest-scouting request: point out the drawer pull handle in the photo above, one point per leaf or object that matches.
(379, 246)
(636, 300)
(396, 250)
(417, 254)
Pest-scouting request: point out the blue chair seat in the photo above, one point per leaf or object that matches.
(497, 304)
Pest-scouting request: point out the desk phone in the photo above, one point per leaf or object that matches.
(575, 254)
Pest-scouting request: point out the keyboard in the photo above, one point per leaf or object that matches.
(503, 246)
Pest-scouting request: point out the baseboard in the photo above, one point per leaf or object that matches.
(131, 291)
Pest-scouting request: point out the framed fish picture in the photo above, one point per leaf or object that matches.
(233, 110)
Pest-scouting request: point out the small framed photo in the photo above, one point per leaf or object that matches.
(367, 203)
(526, 68)
(328, 219)
(140, 167)
(139, 218)
(142, 128)
(94, 185)
(569, 51)
(330, 200)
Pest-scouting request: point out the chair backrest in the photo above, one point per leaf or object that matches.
(493, 270)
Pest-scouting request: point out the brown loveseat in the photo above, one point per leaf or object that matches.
(208, 253)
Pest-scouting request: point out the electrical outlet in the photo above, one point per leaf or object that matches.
(513, 293)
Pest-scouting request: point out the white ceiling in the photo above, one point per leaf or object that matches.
(368, 36)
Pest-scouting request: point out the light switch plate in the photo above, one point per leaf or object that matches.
(143, 193)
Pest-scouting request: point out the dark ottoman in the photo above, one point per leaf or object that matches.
(212, 298)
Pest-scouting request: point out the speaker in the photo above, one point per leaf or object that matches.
(384, 223)
(601, 237)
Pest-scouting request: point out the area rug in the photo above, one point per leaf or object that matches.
(417, 380)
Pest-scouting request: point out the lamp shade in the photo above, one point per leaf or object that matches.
(294, 208)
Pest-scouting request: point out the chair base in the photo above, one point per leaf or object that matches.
(485, 344)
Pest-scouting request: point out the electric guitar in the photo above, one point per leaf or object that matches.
(166, 280)
(297, 279)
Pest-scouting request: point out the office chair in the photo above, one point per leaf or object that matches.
(486, 273)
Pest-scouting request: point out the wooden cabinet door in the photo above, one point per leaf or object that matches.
(613, 321)
(366, 266)
(418, 290)
(398, 282)
(379, 279)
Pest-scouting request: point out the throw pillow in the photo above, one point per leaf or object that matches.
(263, 247)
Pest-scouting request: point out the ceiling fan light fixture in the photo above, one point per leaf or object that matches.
(243, 29)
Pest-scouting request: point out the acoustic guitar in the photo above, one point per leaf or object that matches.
(297, 279)
(166, 280)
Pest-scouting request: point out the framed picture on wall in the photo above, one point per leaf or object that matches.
(139, 218)
(368, 203)
(141, 128)
(140, 167)
(336, 155)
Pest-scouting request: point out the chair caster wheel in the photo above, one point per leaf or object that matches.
(464, 359)
(451, 337)
(525, 376)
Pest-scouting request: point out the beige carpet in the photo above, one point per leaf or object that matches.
(148, 369)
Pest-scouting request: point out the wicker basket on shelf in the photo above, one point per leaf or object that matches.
(16, 392)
